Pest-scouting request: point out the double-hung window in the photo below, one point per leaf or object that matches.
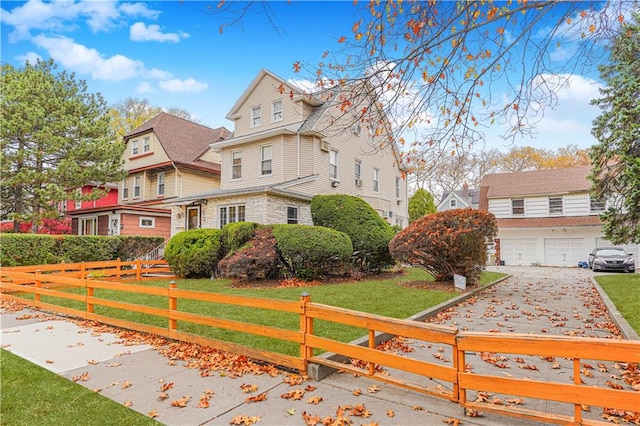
(236, 164)
(146, 144)
(230, 214)
(276, 108)
(397, 188)
(136, 187)
(134, 148)
(358, 172)
(517, 206)
(333, 164)
(160, 184)
(376, 180)
(292, 215)
(256, 115)
(555, 205)
(125, 189)
(266, 153)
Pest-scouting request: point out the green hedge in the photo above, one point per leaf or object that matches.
(32, 249)
(313, 251)
(194, 253)
(369, 232)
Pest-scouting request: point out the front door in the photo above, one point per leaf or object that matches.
(114, 225)
(193, 217)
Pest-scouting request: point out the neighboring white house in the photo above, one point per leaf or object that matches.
(288, 146)
(462, 199)
(545, 217)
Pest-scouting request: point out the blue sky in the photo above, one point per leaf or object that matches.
(173, 54)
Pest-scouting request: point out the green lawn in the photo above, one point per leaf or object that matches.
(624, 292)
(379, 296)
(32, 395)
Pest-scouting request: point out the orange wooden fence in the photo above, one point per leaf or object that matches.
(450, 382)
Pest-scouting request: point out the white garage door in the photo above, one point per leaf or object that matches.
(564, 251)
(634, 249)
(518, 252)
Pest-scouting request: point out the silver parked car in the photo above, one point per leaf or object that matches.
(611, 259)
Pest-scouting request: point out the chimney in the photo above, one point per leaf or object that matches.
(465, 190)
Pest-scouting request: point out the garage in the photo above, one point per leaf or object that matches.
(633, 249)
(520, 252)
(564, 251)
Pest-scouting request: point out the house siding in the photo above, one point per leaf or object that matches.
(154, 156)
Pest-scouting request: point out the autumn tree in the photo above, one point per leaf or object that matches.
(127, 114)
(616, 156)
(55, 137)
(447, 243)
(420, 204)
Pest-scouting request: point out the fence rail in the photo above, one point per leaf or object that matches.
(450, 382)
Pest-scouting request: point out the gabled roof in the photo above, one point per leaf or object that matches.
(555, 181)
(471, 200)
(184, 141)
(294, 91)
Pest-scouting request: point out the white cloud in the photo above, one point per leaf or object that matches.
(145, 87)
(62, 16)
(141, 32)
(189, 85)
(157, 74)
(31, 57)
(81, 59)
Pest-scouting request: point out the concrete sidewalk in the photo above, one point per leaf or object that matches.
(138, 376)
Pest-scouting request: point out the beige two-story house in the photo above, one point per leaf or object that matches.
(286, 147)
(166, 158)
(545, 217)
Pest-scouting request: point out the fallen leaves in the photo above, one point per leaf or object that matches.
(204, 399)
(257, 398)
(182, 402)
(244, 420)
(82, 377)
(295, 394)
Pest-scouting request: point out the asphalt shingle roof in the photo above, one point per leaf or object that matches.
(555, 181)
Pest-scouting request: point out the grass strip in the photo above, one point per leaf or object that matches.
(624, 292)
(32, 395)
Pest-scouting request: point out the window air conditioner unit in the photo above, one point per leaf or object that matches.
(358, 182)
(325, 146)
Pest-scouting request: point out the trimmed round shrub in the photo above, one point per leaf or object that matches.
(311, 252)
(369, 232)
(194, 253)
(234, 235)
(447, 243)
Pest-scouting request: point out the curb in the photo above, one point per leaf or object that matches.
(318, 372)
(622, 324)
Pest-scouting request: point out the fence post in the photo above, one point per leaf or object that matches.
(63, 270)
(372, 345)
(138, 270)
(38, 283)
(118, 269)
(89, 289)
(306, 328)
(173, 305)
(82, 271)
(577, 379)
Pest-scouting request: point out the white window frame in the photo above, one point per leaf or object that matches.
(134, 148)
(197, 211)
(596, 206)
(236, 168)
(292, 215)
(518, 207)
(92, 221)
(397, 187)
(376, 179)
(136, 187)
(145, 219)
(239, 214)
(333, 164)
(146, 144)
(556, 206)
(453, 203)
(276, 111)
(264, 160)
(125, 190)
(161, 184)
(256, 116)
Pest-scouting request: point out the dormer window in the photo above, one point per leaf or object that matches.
(256, 115)
(276, 108)
(134, 148)
(146, 144)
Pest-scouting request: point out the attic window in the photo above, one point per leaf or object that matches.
(256, 115)
(453, 203)
(146, 144)
(276, 108)
(134, 148)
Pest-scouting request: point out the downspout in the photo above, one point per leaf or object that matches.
(178, 176)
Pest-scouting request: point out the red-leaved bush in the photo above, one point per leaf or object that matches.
(447, 243)
(48, 226)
